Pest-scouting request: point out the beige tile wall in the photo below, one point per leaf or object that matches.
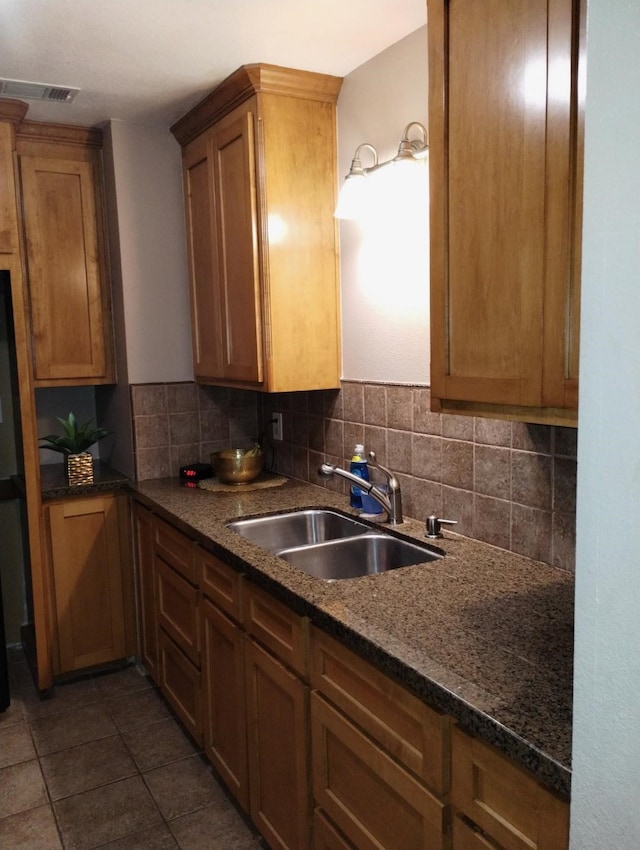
(176, 424)
(508, 483)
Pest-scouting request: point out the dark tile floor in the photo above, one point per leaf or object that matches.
(105, 764)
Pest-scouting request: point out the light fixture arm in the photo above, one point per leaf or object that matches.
(412, 148)
(356, 163)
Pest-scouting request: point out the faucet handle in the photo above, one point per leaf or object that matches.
(391, 478)
(433, 525)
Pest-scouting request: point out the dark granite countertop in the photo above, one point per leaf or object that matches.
(482, 634)
(54, 484)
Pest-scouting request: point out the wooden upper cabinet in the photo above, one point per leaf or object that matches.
(505, 107)
(259, 159)
(67, 271)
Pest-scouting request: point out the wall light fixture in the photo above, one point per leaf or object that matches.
(357, 184)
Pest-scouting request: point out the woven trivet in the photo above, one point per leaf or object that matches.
(262, 482)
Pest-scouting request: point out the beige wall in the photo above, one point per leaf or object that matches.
(385, 258)
(148, 209)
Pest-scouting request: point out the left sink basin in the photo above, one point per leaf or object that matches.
(298, 528)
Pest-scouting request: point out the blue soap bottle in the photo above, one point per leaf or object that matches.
(358, 467)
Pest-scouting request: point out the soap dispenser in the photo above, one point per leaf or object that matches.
(360, 468)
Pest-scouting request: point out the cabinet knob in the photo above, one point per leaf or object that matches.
(433, 525)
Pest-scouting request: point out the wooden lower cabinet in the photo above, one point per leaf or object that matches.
(223, 684)
(356, 762)
(278, 747)
(88, 547)
(504, 801)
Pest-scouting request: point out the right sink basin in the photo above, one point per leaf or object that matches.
(352, 557)
(330, 545)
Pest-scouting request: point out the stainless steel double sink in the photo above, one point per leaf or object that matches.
(330, 545)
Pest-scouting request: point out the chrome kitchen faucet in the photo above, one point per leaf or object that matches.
(391, 501)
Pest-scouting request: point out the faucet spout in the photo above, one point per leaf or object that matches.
(390, 501)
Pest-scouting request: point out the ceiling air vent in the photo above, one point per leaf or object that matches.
(37, 91)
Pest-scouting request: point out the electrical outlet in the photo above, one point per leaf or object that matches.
(277, 426)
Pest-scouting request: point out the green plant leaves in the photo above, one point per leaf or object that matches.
(77, 438)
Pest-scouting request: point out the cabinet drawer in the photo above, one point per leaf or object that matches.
(465, 837)
(372, 799)
(277, 627)
(180, 683)
(325, 834)
(505, 801)
(175, 548)
(220, 583)
(178, 610)
(414, 734)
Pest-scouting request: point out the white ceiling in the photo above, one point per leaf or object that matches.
(150, 60)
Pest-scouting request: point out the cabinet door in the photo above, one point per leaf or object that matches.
(232, 149)
(225, 716)
(89, 555)
(504, 136)
(206, 310)
(68, 290)
(277, 714)
(147, 591)
(222, 229)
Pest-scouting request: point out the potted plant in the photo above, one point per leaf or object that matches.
(73, 445)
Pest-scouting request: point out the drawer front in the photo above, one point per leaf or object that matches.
(503, 800)
(178, 610)
(373, 800)
(414, 734)
(174, 548)
(326, 835)
(220, 583)
(465, 837)
(284, 633)
(180, 683)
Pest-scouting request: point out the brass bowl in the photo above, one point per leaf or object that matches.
(237, 466)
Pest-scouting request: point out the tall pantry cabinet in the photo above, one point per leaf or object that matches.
(506, 93)
(259, 165)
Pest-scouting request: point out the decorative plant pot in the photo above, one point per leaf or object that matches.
(79, 468)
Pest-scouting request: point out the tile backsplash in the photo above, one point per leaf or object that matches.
(176, 424)
(507, 483)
